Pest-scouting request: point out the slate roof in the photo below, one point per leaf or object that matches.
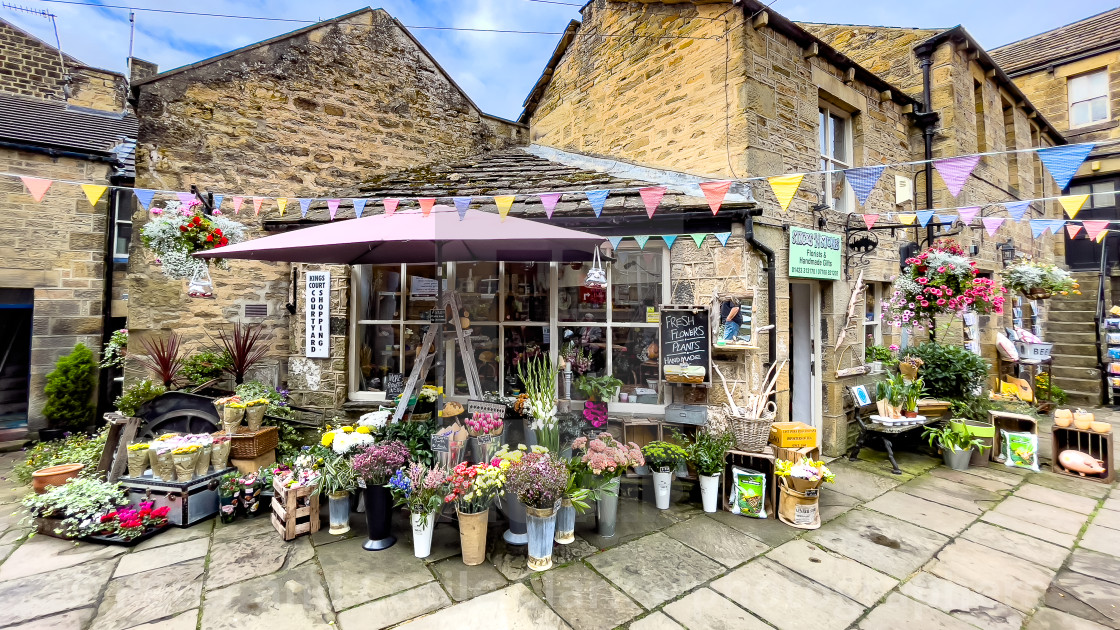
(1093, 34)
(55, 125)
(509, 172)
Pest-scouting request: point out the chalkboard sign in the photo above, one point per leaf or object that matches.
(441, 443)
(394, 385)
(686, 345)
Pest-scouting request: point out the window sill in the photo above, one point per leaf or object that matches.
(1090, 128)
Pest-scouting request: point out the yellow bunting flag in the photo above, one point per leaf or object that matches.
(1100, 237)
(907, 218)
(785, 187)
(94, 192)
(504, 203)
(1073, 203)
(282, 203)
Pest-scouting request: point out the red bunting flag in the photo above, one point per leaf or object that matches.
(237, 201)
(1093, 228)
(714, 192)
(1073, 229)
(391, 206)
(36, 186)
(426, 204)
(257, 203)
(870, 220)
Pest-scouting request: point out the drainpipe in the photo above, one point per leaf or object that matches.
(771, 289)
(105, 399)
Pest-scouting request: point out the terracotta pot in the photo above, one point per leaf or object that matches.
(909, 414)
(54, 476)
(1062, 421)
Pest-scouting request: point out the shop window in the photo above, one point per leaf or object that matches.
(1102, 193)
(873, 315)
(1088, 98)
(835, 141)
(1010, 144)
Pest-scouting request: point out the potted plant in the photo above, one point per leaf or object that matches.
(163, 358)
(73, 510)
(128, 525)
(243, 347)
(375, 466)
(889, 394)
(539, 378)
(78, 448)
(421, 490)
(174, 235)
(877, 357)
(337, 481)
(663, 459)
(69, 393)
(605, 460)
(912, 392)
(135, 395)
(940, 281)
(948, 371)
(1038, 281)
(539, 480)
(228, 488)
(472, 490)
(956, 446)
(707, 452)
(115, 350)
(599, 391)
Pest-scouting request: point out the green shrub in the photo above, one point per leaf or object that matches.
(971, 407)
(949, 371)
(75, 449)
(135, 395)
(203, 367)
(70, 390)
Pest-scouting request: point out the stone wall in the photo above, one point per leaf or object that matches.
(31, 68)
(57, 248)
(308, 115)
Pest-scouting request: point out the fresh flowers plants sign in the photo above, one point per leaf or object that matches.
(940, 281)
(173, 235)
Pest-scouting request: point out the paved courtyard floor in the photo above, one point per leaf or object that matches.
(989, 548)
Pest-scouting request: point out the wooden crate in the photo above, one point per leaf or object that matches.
(295, 511)
(793, 454)
(1012, 423)
(1096, 445)
(763, 462)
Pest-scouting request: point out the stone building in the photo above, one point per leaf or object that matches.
(62, 260)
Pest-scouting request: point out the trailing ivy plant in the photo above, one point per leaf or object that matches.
(949, 371)
(202, 367)
(79, 503)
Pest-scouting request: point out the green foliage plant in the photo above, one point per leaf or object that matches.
(949, 371)
(707, 451)
(136, 394)
(948, 438)
(417, 436)
(69, 390)
(79, 503)
(598, 388)
(660, 454)
(78, 448)
(336, 474)
(202, 367)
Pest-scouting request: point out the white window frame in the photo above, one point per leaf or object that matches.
(1089, 100)
(121, 206)
(873, 297)
(356, 277)
(833, 162)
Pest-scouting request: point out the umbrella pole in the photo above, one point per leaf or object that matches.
(440, 349)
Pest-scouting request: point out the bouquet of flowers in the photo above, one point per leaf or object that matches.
(429, 393)
(538, 479)
(539, 379)
(578, 357)
(376, 464)
(473, 488)
(605, 457)
(419, 488)
(129, 523)
(484, 424)
(940, 281)
(174, 236)
(345, 440)
(806, 474)
(1039, 280)
(664, 455)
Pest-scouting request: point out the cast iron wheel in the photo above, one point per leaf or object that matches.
(178, 412)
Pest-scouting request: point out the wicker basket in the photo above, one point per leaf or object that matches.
(252, 444)
(751, 434)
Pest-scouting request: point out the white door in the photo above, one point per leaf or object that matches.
(804, 368)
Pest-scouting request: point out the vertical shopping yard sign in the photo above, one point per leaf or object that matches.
(318, 315)
(814, 254)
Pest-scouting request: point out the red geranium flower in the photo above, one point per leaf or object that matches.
(182, 228)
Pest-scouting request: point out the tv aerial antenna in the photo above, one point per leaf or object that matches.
(57, 42)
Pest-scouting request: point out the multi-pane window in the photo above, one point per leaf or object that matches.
(835, 141)
(1102, 194)
(122, 227)
(516, 311)
(1088, 98)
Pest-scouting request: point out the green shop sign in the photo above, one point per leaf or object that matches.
(814, 254)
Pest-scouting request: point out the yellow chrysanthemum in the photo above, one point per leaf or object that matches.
(364, 430)
(347, 429)
(328, 439)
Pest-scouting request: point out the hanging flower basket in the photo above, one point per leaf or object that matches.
(1037, 294)
(1039, 281)
(175, 234)
(940, 281)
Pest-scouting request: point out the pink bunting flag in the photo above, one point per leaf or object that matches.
(870, 220)
(651, 196)
(714, 192)
(36, 186)
(1093, 228)
(968, 214)
(548, 200)
(426, 204)
(991, 224)
(390, 206)
(186, 198)
(954, 171)
(237, 201)
(257, 203)
(332, 205)
(1072, 229)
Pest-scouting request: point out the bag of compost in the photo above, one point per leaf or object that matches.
(1020, 450)
(748, 493)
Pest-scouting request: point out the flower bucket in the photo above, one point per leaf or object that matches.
(798, 509)
(137, 462)
(231, 419)
(184, 465)
(662, 486)
(423, 525)
(472, 536)
(566, 523)
(484, 447)
(202, 464)
(165, 465)
(956, 460)
(709, 492)
(338, 506)
(515, 512)
(607, 508)
(379, 518)
(250, 501)
(254, 417)
(456, 452)
(227, 508)
(541, 523)
(219, 455)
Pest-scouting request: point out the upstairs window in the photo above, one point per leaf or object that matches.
(1088, 98)
(122, 227)
(835, 138)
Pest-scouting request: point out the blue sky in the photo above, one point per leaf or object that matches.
(497, 70)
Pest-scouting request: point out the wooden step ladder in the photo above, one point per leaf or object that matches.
(427, 354)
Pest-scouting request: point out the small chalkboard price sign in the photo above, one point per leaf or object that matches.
(686, 345)
(394, 385)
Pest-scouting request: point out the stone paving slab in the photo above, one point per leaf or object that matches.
(42, 554)
(920, 512)
(1086, 597)
(1042, 553)
(833, 504)
(1112, 503)
(293, 600)
(674, 569)
(656, 621)
(1057, 498)
(881, 542)
(719, 542)
(1041, 514)
(466, 582)
(704, 608)
(43, 594)
(960, 496)
(998, 472)
(770, 531)
(1050, 619)
(764, 588)
(1072, 485)
(240, 559)
(961, 603)
(584, 599)
(899, 611)
(394, 609)
(861, 484)
(635, 519)
(183, 621)
(1095, 565)
(512, 561)
(356, 576)
(1102, 539)
(224, 532)
(1040, 532)
(143, 597)
(957, 476)
(174, 535)
(1000, 576)
(512, 607)
(841, 574)
(140, 561)
(1107, 518)
(72, 620)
